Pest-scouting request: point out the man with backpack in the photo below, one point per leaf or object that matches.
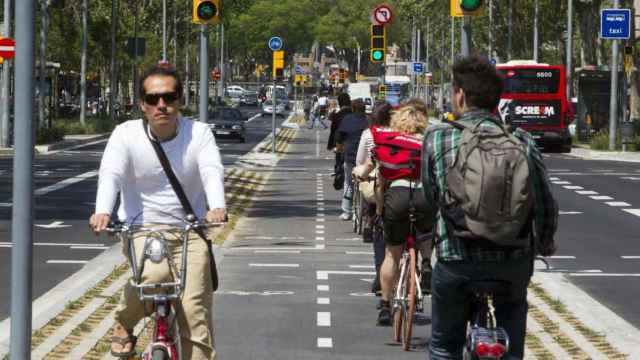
(495, 210)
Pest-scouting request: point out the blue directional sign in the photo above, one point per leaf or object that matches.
(615, 24)
(299, 70)
(418, 67)
(275, 43)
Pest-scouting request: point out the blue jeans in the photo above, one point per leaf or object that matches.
(450, 305)
(347, 191)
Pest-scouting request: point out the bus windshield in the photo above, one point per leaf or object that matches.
(530, 81)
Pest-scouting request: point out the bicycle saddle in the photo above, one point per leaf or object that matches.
(495, 287)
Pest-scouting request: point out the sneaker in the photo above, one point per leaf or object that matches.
(345, 217)
(384, 316)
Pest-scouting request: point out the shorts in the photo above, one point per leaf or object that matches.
(396, 214)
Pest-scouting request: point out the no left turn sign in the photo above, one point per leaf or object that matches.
(382, 14)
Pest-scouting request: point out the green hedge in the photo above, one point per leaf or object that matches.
(600, 141)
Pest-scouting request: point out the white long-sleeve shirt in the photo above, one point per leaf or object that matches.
(130, 166)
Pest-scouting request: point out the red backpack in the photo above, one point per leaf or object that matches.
(397, 154)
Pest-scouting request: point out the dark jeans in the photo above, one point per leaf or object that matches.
(450, 305)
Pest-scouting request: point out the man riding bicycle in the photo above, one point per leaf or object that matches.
(131, 167)
(463, 255)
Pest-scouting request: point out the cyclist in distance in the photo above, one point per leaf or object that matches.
(463, 255)
(131, 167)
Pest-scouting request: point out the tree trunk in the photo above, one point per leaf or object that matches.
(588, 14)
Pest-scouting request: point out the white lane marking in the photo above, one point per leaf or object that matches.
(317, 144)
(635, 212)
(55, 244)
(586, 192)
(359, 252)
(364, 294)
(601, 171)
(605, 275)
(249, 293)
(617, 203)
(630, 257)
(53, 225)
(316, 247)
(319, 238)
(601, 197)
(560, 257)
(361, 267)
(6, 204)
(318, 174)
(348, 239)
(67, 261)
(319, 220)
(319, 191)
(588, 271)
(320, 232)
(320, 209)
(275, 265)
(322, 288)
(559, 170)
(323, 318)
(66, 182)
(570, 212)
(254, 117)
(323, 301)
(324, 274)
(320, 203)
(630, 178)
(89, 247)
(319, 227)
(368, 280)
(561, 182)
(573, 187)
(273, 237)
(320, 214)
(321, 198)
(554, 179)
(325, 343)
(277, 252)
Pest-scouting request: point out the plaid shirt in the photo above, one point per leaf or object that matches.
(440, 147)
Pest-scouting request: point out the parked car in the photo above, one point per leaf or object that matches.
(234, 91)
(267, 108)
(228, 122)
(249, 98)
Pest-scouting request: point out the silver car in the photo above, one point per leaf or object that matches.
(267, 108)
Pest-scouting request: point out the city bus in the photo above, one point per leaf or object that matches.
(534, 99)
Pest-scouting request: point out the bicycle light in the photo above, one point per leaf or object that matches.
(155, 249)
(490, 351)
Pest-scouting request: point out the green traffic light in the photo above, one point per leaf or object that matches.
(207, 11)
(470, 5)
(377, 55)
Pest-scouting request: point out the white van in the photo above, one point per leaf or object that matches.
(362, 91)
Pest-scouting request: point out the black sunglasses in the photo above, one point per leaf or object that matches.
(153, 99)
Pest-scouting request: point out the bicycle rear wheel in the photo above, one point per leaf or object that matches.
(407, 329)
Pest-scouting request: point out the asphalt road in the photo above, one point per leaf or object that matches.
(63, 243)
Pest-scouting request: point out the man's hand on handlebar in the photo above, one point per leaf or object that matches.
(99, 222)
(216, 216)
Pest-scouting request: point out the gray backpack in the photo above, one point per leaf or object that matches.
(489, 185)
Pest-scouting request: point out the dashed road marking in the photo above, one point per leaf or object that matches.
(323, 301)
(573, 187)
(322, 287)
(323, 319)
(635, 212)
(277, 252)
(319, 227)
(558, 257)
(315, 247)
(617, 203)
(319, 238)
(325, 343)
(359, 252)
(604, 275)
(586, 192)
(601, 197)
(561, 182)
(324, 274)
(570, 212)
(274, 265)
(81, 262)
(630, 257)
(362, 267)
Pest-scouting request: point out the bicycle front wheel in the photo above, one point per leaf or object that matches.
(400, 301)
(410, 279)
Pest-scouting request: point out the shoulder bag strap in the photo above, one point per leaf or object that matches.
(186, 205)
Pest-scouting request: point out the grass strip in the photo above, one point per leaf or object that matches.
(536, 346)
(598, 340)
(558, 336)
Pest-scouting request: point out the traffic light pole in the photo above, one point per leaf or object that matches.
(465, 39)
(274, 100)
(204, 69)
(613, 104)
(6, 80)
(22, 214)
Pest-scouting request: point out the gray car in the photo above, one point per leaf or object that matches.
(228, 122)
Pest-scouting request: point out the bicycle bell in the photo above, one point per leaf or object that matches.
(155, 248)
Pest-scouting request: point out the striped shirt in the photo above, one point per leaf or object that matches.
(440, 147)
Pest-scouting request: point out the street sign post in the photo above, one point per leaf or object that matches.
(7, 48)
(275, 43)
(382, 14)
(418, 68)
(615, 24)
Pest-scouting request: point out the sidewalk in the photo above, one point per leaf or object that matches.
(588, 154)
(69, 141)
(280, 201)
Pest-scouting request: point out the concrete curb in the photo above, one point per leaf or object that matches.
(50, 304)
(70, 142)
(591, 313)
(588, 154)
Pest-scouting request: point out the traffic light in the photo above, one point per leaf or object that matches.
(278, 63)
(460, 8)
(378, 43)
(206, 11)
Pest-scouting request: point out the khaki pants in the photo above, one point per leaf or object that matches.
(195, 310)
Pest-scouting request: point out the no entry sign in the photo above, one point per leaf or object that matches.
(7, 48)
